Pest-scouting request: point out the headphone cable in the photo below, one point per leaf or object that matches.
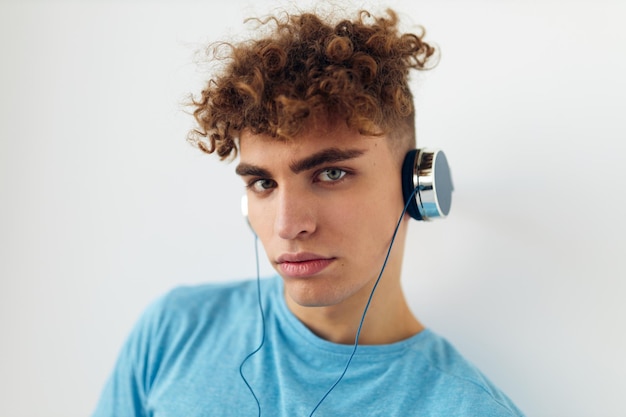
(258, 290)
(367, 305)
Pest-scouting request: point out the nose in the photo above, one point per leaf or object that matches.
(295, 215)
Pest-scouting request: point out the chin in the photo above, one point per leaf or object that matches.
(307, 293)
(307, 298)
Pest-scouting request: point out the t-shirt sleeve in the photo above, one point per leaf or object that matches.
(126, 390)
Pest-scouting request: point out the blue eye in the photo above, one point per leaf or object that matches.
(331, 174)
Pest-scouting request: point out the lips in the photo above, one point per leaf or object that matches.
(300, 265)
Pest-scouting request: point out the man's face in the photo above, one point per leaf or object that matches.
(324, 206)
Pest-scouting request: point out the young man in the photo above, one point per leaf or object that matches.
(321, 117)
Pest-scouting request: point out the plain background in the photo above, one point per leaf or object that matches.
(104, 206)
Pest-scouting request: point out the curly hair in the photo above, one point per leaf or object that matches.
(355, 70)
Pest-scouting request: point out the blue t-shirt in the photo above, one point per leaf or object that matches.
(182, 359)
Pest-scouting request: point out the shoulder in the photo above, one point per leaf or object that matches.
(460, 385)
(191, 308)
(193, 315)
(205, 301)
(441, 355)
(191, 297)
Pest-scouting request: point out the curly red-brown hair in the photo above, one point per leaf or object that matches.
(354, 70)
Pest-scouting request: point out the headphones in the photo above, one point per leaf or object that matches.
(426, 182)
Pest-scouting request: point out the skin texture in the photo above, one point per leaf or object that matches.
(325, 206)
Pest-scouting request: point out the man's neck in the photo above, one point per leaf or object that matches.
(388, 318)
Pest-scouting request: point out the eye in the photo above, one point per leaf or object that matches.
(262, 185)
(331, 174)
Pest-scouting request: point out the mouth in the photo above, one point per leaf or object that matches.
(301, 265)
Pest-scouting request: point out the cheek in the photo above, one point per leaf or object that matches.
(259, 220)
(363, 223)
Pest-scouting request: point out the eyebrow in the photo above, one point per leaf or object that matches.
(325, 156)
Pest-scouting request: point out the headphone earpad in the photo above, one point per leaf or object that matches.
(426, 184)
(409, 183)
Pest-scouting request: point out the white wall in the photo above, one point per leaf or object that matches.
(104, 206)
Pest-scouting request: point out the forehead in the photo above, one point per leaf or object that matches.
(313, 139)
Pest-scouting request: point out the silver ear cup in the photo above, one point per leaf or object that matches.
(431, 176)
